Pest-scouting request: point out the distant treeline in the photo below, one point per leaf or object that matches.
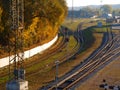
(89, 11)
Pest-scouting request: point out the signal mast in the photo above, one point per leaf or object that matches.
(16, 71)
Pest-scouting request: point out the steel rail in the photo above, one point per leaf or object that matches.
(73, 74)
(71, 53)
(101, 51)
(90, 70)
(90, 65)
(61, 45)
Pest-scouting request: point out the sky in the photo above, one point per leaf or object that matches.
(91, 2)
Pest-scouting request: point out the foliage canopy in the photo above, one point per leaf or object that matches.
(42, 20)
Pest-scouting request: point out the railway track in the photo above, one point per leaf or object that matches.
(62, 58)
(105, 47)
(91, 65)
(50, 52)
(54, 50)
(72, 52)
(92, 68)
(62, 45)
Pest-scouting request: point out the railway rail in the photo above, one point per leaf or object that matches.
(104, 47)
(91, 65)
(73, 51)
(50, 52)
(54, 50)
(62, 58)
(92, 68)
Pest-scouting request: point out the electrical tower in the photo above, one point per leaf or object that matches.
(16, 70)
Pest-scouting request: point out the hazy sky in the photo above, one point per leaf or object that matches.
(91, 2)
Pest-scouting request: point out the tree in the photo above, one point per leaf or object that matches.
(116, 12)
(106, 9)
(42, 20)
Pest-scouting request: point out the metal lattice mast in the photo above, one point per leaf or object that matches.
(16, 46)
(17, 27)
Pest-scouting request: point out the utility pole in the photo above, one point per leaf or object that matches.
(17, 75)
(101, 8)
(56, 77)
(72, 12)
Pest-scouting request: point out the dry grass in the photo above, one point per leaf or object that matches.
(111, 73)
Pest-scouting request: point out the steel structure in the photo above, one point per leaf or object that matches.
(16, 44)
(16, 19)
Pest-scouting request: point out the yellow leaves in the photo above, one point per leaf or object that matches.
(33, 26)
(48, 16)
(1, 28)
(42, 20)
(0, 13)
(1, 10)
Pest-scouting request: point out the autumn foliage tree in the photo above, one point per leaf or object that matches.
(42, 20)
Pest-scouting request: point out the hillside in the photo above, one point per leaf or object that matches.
(42, 20)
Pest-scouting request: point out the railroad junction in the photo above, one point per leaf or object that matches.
(105, 54)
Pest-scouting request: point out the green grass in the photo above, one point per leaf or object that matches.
(101, 29)
(72, 43)
(4, 79)
(52, 59)
(73, 25)
(89, 27)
